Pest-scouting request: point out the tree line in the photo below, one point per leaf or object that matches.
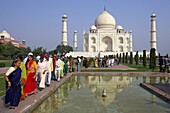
(9, 51)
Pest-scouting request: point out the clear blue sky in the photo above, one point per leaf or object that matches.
(39, 22)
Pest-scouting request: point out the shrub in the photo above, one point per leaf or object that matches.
(2, 64)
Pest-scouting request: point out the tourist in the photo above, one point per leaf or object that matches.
(65, 66)
(70, 64)
(26, 58)
(23, 75)
(100, 62)
(31, 67)
(74, 65)
(78, 64)
(58, 69)
(49, 64)
(62, 68)
(166, 64)
(161, 64)
(43, 71)
(13, 87)
(54, 64)
(96, 62)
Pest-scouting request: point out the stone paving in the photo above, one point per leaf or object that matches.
(161, 90)
(3, 70)
(34, 100)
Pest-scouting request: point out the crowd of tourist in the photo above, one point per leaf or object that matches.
(25, 77)
(105, 62)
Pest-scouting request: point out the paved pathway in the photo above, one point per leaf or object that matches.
(3, 70)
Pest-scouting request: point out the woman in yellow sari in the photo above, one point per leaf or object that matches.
(23, 76)
(31, 67)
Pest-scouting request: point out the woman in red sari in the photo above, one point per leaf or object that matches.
(31, 67)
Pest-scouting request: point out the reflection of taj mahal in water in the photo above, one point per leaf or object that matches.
(112, 85)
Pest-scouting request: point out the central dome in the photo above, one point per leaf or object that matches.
(105, 20)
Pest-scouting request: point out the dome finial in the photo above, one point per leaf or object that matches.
(104, 8)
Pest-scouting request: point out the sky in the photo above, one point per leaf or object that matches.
(39, 22)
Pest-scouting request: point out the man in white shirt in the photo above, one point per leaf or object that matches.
(58, 68)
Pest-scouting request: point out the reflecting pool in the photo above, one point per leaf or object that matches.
(83, 94)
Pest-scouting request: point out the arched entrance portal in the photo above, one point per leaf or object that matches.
(106, 44)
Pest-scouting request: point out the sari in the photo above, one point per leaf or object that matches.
(13, 93)
(23, 78)
(30, 86)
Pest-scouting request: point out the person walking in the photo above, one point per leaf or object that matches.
(43, 72)
(31, 67)
(13, 86)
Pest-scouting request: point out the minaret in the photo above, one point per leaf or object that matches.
(153, 31)
(75, 40)
(64, 30)
(130, 41)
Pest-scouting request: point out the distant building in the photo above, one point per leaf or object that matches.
(5, 37)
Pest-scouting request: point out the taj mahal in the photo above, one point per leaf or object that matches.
(105, 37)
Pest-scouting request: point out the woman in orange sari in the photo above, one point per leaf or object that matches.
(31, 67)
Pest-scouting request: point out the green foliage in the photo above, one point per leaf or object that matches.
(140, 58)
(123, 59)
(91, 62)
(38, 51)
(126, 57)
(2, 85)
(131, 58)
(61, 49)
(2, 64)
(144, 58)
(136, 58)
(9, 51)
(117, 55)
(120, 58)
(152, 63)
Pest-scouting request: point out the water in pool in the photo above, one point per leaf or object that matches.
(104, 94)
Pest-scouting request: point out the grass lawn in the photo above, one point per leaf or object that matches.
(6, 62)
(2, 86)
(139, 68)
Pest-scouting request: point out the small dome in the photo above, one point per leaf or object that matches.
(119, 27)
(130, 31)
(93, 27)
(105, 20)
(153, 15)
(64, 16)
(75, 31)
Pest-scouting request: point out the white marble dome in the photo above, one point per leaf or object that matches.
(119, 27)
(93, 27)
(105, 20)
(153, 15)
(64, 16)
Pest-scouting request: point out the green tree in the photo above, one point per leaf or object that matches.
(123, 59)
(152, 63)
(131, 58)
(63, 49)
(137, 58)
(144, 58)
(38, 51)
(120, 58)
(126, 57)
(117, 56)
